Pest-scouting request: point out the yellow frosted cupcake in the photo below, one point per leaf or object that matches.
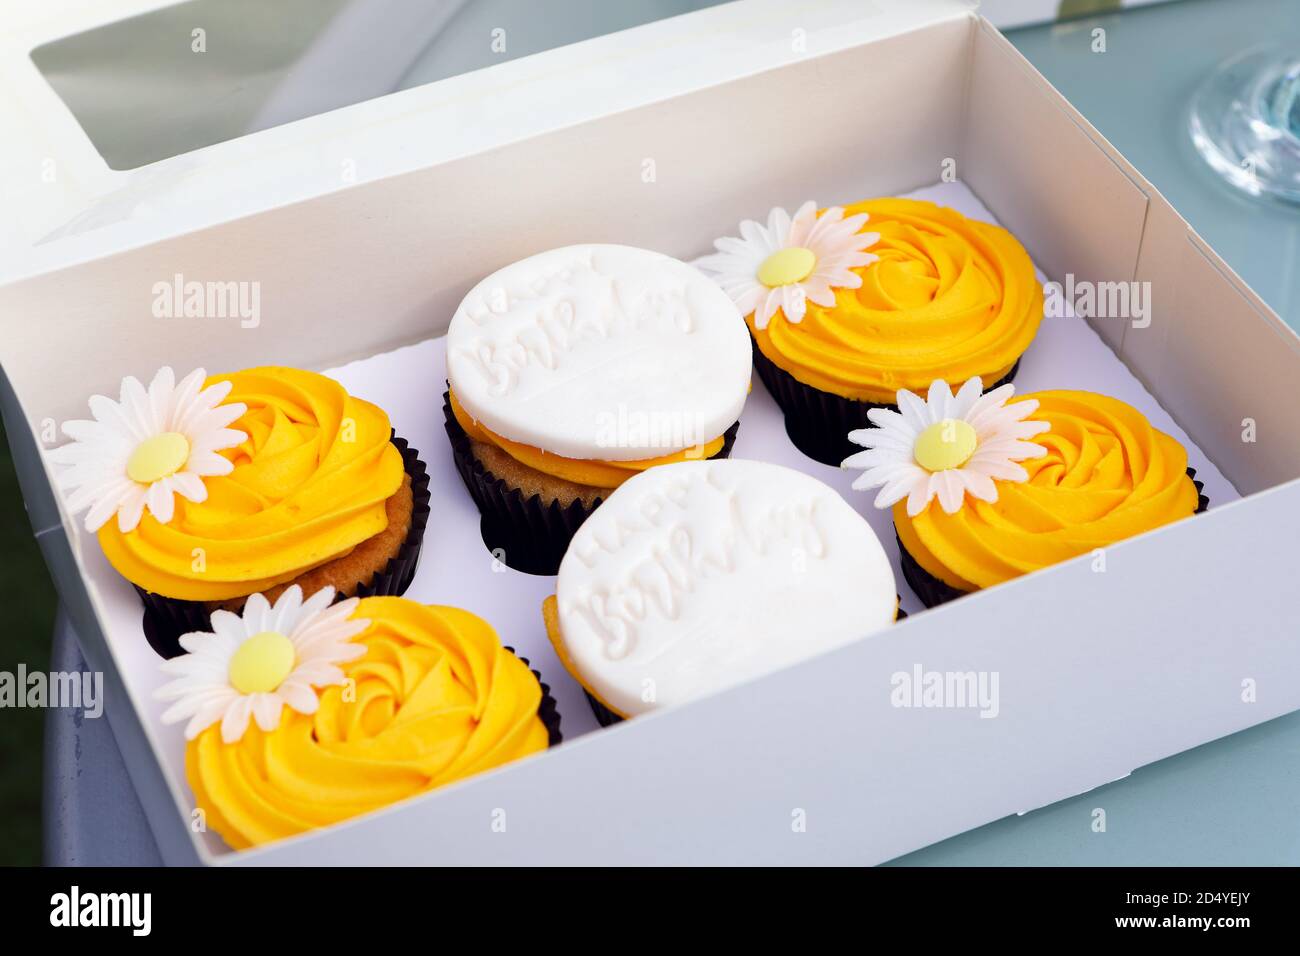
(304, 713)
(984, 489)
(208, 490)
(846, 306)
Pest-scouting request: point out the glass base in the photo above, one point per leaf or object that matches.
(1245, 122)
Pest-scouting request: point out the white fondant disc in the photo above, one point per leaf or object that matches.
(695, 576)
(600, 352)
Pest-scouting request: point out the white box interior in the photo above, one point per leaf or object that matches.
(362, 271)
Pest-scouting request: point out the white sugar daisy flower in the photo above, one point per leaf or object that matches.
(146, 447)
(255, 664)
(790, 261)
(945, 446)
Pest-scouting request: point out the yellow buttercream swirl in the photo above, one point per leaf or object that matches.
(308, 485)
(1107, 475)
(435, 698)
(593, 472)
(949, 298)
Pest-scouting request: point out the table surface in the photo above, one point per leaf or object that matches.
(1231, 801)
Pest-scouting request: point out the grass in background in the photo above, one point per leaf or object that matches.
(29, 601)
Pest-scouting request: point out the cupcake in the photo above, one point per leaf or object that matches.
(700, 575)
(204, 492)
(847, 306)
(984, 489)
(305, 713)
(574, 370)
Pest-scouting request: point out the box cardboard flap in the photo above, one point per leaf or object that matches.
(90, 210)
(1203, 341)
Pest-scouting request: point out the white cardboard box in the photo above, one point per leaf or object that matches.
(738, 107)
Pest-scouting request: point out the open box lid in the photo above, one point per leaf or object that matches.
(69, 205)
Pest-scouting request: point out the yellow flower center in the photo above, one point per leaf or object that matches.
(787, 266)
(158, 457)
(261, 663)
(945, 444)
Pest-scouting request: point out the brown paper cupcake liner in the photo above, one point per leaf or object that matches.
(607, 718)
(934, 592)
(818, 422)
(547, 711)
(166, 619)
(1202, 502)
(526, 534)
(604, 716)
(924, 585)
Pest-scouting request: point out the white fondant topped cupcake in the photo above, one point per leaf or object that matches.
(696, 576)
(600, 352)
